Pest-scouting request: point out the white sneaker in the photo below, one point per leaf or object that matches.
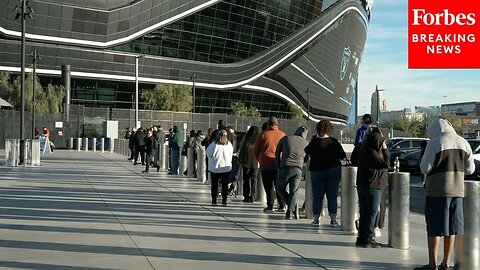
(377, 232)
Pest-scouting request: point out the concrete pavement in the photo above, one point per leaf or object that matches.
(91, 210)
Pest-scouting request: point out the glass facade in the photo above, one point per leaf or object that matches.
(229, 31)
(265, 53)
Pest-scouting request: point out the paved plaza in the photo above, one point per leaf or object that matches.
(86, 210)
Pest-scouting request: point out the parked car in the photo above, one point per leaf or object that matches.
(410, 161)
(475, 145)
(399, 146)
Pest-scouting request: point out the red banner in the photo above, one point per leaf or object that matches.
(443, 33)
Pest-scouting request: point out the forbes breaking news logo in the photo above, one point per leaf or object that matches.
(442, 34)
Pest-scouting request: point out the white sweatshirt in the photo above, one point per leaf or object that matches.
(219, 157)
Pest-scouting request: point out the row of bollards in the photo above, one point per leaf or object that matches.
(31, 150)
(80, 144)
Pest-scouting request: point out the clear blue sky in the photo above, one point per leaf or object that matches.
(385, 60)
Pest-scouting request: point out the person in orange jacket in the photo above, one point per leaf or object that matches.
(264, 150)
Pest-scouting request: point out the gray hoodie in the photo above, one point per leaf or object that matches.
(290, 149)
(448, 157)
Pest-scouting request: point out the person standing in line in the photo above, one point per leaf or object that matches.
(264, 149)
(249, 163)
(220, 155)
(128, 133)
(325, 166)
(139, 146)
(290, 156)
(447, 159)
(205, 143)
(131, 144)
(150, 144)
(160, 138)
(364, 129)
(196, 145)
(372, 174)
(176, 144)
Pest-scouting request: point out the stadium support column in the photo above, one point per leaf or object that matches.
(66, 71)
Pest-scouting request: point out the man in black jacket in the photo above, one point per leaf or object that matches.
(150, 144)
(139, 140)
(373, 162)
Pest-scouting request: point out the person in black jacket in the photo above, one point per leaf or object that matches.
(131, 145)
(325, 166)
(372, 174)
(150, 144)
(139, 141)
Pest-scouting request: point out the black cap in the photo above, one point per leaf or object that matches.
(367, 118)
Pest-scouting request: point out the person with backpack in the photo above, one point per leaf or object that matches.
(249, 163)
(150, 145)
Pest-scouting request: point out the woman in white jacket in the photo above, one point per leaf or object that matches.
(220, 155)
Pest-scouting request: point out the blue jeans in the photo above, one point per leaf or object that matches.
(175, 159)
(325, 182)
(369, 201)
(290, 176)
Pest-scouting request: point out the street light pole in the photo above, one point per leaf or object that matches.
(308, 103)
(444, 105)
(22, 13)
(377, 91)
(34, 54)
(136, 90)
(193, 78)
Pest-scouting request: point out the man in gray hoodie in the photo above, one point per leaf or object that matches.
(447, 159)
(289, 156)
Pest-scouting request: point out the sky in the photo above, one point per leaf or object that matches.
(385, 60)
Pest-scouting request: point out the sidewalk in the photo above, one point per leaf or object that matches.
(86, 210)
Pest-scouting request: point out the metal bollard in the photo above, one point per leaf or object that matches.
(201, 165)
(399, 210)
(35, 148)
(85, 144)
(71, 144)
(12, 151)
(349, 199)
(102, 145)
(308, 194)
(260, 195)
(163, 156)
(79, 144)
(94, 144)
(182, 166)
(190, 163)
(111, 145)
(470, 258)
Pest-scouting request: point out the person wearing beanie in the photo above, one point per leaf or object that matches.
(290, 156)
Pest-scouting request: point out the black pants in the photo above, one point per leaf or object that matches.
(249, 183)
(223, 177)
(140, 150)
(269, 179)
(149, 160)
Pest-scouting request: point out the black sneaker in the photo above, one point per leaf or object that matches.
(289, 215)
(268, 209)
(371, 243)
(425, 267)
(360, 242)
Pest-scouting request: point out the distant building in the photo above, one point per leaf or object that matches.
(407, 114)
(429, 111)
(374, 105)
(462, 109)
